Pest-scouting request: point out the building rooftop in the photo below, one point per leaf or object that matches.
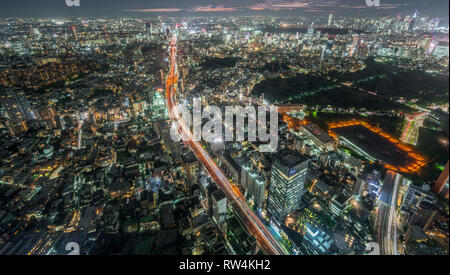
(188, 158)
(218, 195)
(318, 133)
(289, 158)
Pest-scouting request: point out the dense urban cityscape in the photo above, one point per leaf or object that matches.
(89, 163)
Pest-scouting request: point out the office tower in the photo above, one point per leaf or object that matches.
(424, 215)
(148, 28)
(158, 105)
(75, 33)
(330, 20)
(190, 166)
(257, 188)
(415, 195)
(219, 206)
(360, 186)
(328, 49)
(413, 21)
(374, 184)
(339, 203)
(441, 185)
(411, 24)
(252, 180)
(287, 183)
(231, 167)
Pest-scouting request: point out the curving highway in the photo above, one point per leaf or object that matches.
(385, 223)
(253, 223)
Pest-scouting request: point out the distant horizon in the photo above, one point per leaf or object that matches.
(220, 8)
(442, 21)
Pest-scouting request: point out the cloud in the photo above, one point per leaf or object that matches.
(279, 5)
(313, 10)
(155, 10)
(382, 6)
(211, 8)
(307, 6)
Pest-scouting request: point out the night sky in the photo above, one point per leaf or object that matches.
(132, 8)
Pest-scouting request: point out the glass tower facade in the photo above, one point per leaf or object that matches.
(287, 184)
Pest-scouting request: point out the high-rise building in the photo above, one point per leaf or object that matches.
(360, 185)
(413, 21)
(441, 185)
(219, 206)
(190, 166)
(256, 187)
(231, 167)
(330, 20)
(148, 28)
(424, 215)
(74, 30)
(415, 195)
(339, 203)
(252, 181)
(158, 106)
(328, 49)
(287, 183)
(374, 184)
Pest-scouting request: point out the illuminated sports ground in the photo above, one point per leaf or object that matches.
(377, 145)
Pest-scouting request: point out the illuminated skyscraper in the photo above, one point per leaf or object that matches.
(328, 49)
(413, 21)
(374, 184)
(148, 29)
(415, 195)
(286, 187)
(158, 106)
(75, 33)
(253, 182)
(219, 206)
(330, 20)
(190, 166)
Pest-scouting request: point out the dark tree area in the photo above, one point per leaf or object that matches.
(281, 88)
(275, 67)
(375, 88)
(345, 97)
(217, 62)
(409, 85)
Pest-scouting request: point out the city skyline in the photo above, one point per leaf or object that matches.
(143, 8)
(203, 132)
